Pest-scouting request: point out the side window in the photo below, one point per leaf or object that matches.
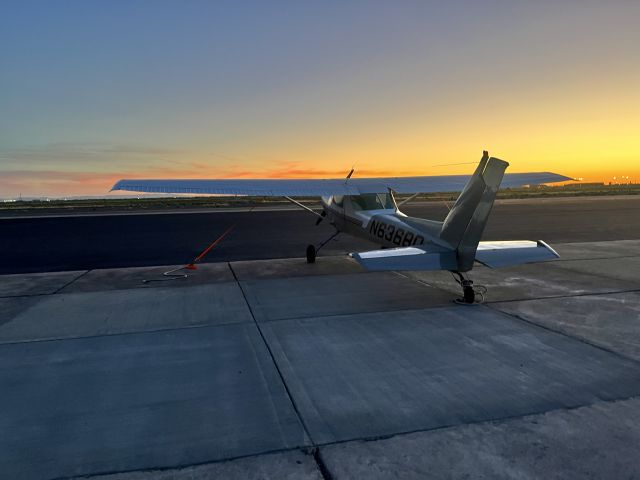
(338, 200)
(357, 203)
(372, 201)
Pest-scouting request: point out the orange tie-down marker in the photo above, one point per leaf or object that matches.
(192, 265)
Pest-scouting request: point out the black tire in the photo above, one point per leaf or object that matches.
(469, 294)
(311, 254)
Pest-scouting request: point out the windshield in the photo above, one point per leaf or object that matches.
(372, 201)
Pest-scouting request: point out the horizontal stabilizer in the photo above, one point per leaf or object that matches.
(406, 258)
(505, 254)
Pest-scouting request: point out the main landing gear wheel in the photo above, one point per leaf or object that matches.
(311, 254)
(468, 293)
(471, 294)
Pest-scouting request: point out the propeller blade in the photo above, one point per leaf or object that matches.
(321, 217)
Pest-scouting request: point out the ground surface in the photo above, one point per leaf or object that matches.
(278, 369)
(107, 241)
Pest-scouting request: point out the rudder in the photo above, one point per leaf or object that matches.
(466, 221)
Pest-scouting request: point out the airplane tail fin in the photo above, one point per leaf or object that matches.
(466, 221)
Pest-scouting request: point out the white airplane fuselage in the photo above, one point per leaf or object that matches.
(386, 225)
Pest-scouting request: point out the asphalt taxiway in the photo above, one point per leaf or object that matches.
(76, 242)
(280, 369)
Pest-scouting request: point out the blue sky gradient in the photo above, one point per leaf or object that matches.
(94, 90)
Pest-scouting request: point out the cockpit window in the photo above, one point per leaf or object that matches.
(338, 200)
(372, 201)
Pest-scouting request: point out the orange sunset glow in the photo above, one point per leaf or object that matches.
(390, 90)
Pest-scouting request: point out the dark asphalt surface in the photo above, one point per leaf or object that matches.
(89, 242)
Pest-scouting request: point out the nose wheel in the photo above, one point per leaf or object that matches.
(311, 254)
(312, 251)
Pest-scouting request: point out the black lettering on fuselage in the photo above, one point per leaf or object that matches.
(394, 235)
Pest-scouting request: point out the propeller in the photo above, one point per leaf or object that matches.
(321, 217)
(323, 213)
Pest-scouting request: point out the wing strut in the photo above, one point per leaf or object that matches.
(408, 199)
(305, 207)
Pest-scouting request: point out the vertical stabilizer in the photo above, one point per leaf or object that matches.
(466, 221)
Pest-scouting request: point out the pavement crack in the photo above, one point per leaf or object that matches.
(70, 282)
(322, 466)
(426, 284)
(573, 295)
(273, 358)
(28, 295)
(118, 334)
(564, 334)
(57, 290)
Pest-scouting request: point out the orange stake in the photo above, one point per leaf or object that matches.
(192, 265)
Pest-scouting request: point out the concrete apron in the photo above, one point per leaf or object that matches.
(113, 376)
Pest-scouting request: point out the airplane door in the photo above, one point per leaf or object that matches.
(336, 207)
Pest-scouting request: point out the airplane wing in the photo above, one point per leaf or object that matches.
(490, 254)
(326, 187)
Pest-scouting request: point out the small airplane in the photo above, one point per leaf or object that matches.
(367, 208)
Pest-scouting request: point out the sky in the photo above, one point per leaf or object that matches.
(93, 91)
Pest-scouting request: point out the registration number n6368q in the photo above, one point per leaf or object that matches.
(397, 236)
